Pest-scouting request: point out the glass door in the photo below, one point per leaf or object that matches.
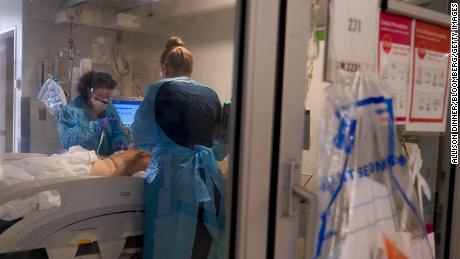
(290, 202)
(257, 67)
(104, 65)
(296, 147)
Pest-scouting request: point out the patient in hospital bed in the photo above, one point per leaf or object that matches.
(122, 163)
(75, 162)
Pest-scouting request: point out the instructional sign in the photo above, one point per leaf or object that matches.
(394, 53)
(352, 36)
(429, 78)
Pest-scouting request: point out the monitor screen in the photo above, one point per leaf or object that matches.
(126, 109)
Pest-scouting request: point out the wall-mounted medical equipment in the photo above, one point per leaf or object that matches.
(128, 20)
(107, 55)
(74, 15)
(102, 50)
(120, 65)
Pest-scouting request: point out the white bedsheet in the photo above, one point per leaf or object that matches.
(75, 162)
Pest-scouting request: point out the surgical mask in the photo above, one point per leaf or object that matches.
(99, 105)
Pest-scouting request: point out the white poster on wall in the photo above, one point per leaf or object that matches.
(429, 78)
(394, 59)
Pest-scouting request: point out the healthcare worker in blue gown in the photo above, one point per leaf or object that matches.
(90, 120)
(179, 122)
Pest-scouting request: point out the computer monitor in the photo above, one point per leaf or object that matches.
(126, 110)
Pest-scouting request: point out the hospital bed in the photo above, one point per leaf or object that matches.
(106, 210)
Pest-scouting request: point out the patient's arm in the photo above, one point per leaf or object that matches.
(103, 167)
(124, 163)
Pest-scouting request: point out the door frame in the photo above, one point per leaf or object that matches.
(4, 34)
(289, 129)
(254, 91)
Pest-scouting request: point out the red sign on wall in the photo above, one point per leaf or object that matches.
(429, 78)
(394, 59)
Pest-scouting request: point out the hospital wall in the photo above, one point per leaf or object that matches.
(208, 35)
(212, 47)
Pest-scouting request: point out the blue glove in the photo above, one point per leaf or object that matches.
(104, 123)
(113, 120)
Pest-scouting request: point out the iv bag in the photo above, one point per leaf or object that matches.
(52, 95)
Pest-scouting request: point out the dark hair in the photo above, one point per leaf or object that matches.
(176, 56)
(94, 80)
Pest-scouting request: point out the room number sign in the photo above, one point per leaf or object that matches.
(352, 35)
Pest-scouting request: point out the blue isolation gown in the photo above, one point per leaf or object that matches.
(77, 126)
(179, 182)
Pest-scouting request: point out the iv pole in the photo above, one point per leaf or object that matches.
(71, 58)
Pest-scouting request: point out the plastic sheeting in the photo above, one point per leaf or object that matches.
(365, 210)
(52, 95)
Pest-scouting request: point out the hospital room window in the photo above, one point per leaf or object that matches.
(115, 129)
